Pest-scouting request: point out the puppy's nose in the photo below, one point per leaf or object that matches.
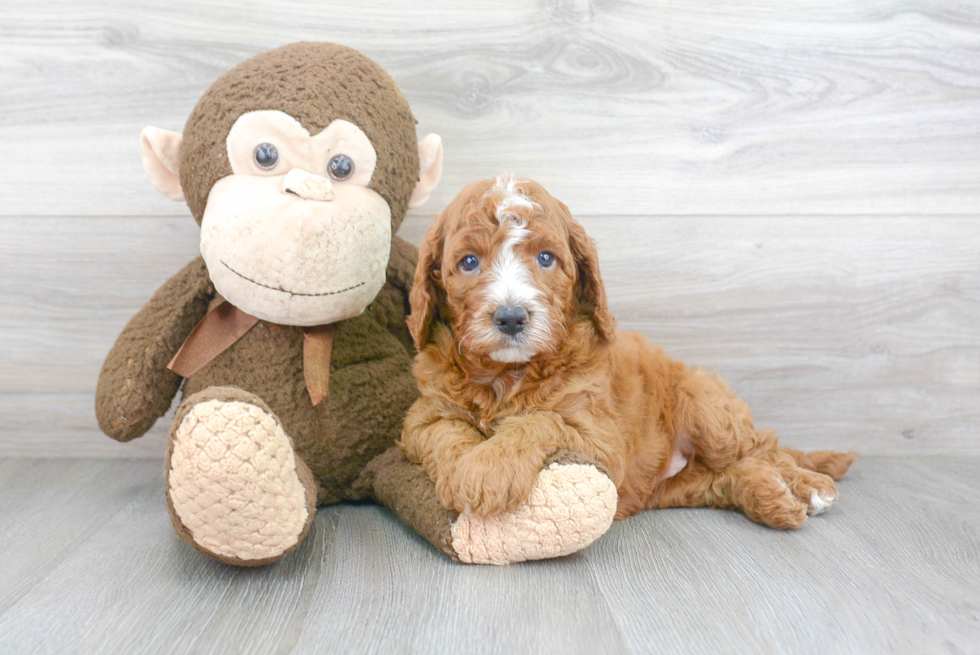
(510, 319)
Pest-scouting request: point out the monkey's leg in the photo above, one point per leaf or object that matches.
(571, 505)
(236, 490)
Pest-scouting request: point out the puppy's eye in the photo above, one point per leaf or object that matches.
(340, 167)
(545, 259)
(266, 156)
(469, 263)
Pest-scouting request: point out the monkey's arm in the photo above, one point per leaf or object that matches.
(392, 306)
(135, 387)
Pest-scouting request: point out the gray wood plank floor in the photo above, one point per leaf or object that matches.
(90, 564)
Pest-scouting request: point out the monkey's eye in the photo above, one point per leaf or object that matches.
(340, 167)
(469, 263)
(266, 156)
(545, 259)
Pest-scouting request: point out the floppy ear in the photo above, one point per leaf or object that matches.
(426, 290)
(591, 291)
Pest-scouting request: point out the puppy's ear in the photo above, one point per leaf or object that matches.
(591, 291)
(426, 294)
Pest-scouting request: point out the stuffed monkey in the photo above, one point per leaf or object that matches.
(288, 333)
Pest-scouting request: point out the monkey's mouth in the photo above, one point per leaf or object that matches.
(292, 293)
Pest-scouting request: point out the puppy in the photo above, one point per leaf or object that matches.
(519, 359)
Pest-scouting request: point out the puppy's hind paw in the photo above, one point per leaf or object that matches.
(819, 503)
(571, 505)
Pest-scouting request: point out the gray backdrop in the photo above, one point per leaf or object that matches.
(786, 194)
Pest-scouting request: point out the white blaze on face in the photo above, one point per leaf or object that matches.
(511, 197)
(510, 279)
(511, 282)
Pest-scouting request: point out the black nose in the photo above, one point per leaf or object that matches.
(510, 319)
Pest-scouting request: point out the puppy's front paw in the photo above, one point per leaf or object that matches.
(486, 481)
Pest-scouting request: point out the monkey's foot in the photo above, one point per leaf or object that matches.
(571, 505)
(235, 488)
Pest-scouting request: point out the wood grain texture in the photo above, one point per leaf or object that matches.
(50, 507)
(662, 107)
(844, 310)
(840, 332)
(890, 568)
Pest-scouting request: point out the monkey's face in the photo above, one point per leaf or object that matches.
(294, 235)
(299, 164)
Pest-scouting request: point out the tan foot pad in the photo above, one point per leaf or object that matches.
(233, 481)
(571, 505)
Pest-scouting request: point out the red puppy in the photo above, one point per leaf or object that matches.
(519, 358)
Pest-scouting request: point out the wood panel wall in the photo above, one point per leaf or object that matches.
(788, 193)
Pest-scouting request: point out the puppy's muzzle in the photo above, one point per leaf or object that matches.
(510, 319)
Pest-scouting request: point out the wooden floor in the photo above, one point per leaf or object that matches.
(91, 565)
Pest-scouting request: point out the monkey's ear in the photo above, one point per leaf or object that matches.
(161, 160)
(430, 169)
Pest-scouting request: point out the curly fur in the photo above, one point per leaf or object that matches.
(668, 435)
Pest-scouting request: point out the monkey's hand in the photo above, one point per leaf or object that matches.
(135, 387)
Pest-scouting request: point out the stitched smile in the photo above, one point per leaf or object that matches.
(292, 293)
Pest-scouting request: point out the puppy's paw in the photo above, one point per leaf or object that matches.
(815, 490)
(818, 491)
(758, 489)
(486, 481)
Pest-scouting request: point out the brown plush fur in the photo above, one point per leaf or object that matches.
(483, 429)
(371, 384)
(315, 83)
(405, 488)
(135, 386)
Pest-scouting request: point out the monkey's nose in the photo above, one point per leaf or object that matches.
(307, 185)
(510, 319)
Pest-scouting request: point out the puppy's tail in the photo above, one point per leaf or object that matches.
(827, 462)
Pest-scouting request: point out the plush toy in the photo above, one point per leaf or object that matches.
(289, 333)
